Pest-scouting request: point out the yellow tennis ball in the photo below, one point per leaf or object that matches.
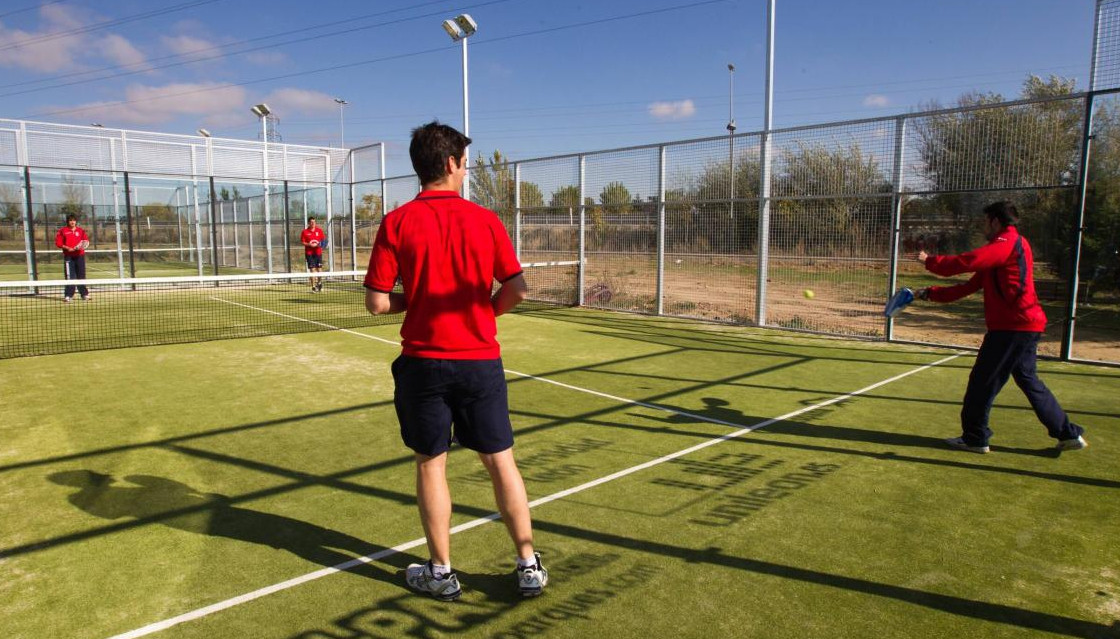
(808, 294)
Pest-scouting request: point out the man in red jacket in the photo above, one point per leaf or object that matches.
(72, 239)
(312, 239)
(450, 385)
(1004, 269)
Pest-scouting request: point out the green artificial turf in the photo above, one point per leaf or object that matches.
(141, 484)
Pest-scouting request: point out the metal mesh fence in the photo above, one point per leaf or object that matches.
(673, 229)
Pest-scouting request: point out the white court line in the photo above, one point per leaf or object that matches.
(312, 576)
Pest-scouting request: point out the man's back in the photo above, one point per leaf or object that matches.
(447, 252)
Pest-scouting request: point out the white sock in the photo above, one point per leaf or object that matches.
(531, 562)
(439, 572)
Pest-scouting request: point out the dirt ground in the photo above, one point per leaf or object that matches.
(725, 294)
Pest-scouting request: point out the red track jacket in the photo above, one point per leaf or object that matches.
(1004, 268)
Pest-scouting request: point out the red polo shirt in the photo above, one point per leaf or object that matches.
(316, 234)
(447, 252)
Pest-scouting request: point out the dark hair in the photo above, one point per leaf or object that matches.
(1003, 211)
(431, 145)
(310, 218)
(71, 217)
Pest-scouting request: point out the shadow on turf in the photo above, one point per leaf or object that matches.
(147, 497)
(718, 409)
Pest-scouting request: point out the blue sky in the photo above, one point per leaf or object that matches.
(547, 77)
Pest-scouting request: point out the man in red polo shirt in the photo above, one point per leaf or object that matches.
(1004, 268)
(312, 240)
(450, 385)
(72, 239)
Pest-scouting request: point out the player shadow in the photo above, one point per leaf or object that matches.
(148, 498)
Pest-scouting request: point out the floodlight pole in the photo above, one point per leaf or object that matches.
(466, 123)
(731, 133)
(460, 29)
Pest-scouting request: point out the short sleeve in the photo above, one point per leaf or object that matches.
(382, 273)
(506, 264)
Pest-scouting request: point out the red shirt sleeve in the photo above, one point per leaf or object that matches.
(954, 293)
(986, 257)
(506, 264)
(303, 239)
(58, 239)
(383, 268)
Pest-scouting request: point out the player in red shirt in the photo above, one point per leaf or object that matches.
(312, 239)
(450, 385)
(1004, 269)
(72, 239)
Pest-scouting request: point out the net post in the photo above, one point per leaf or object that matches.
(287, 230)
(213, 227)
(896, 217)
(661, 230)
(128, 227)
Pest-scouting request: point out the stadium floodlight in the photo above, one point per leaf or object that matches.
(261, 110)
(204, 133)
(460, 28)
(96, 124)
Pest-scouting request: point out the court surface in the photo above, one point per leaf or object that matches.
(687, 479)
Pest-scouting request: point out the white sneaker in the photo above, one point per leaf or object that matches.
(1072, 444)
(419, 577)
(66, 300)
(532, 579)
(959, 444)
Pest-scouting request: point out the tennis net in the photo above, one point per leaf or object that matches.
(37, 319)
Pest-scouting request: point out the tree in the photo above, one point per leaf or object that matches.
(368, 207)
(11, 206)
(492, 184)
(531, 196)
(967, 154)
(615, 198)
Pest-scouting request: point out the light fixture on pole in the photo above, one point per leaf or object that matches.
(461, 28)
(204, 133)
(96, 124)
(731, 132)
(341, 122)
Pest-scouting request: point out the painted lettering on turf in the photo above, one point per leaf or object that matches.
(733, 508)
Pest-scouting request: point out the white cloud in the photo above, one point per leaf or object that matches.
(189, 46)
(120, 51)
(672, 110)
(29, 50)
(299, 101)
(155, 105)
(877, 101)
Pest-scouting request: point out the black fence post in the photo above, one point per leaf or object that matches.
(128, 226)
(213, 227)
(30, 222)
(287, 231)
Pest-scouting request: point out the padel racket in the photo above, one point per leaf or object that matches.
(900, 300)
(323, 242)
(80, 246)
(313, 243)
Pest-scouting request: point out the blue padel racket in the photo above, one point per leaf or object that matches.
(323, 242)
(900, 300)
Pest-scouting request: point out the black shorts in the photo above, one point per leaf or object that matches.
(439, 400)
(313, 261)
